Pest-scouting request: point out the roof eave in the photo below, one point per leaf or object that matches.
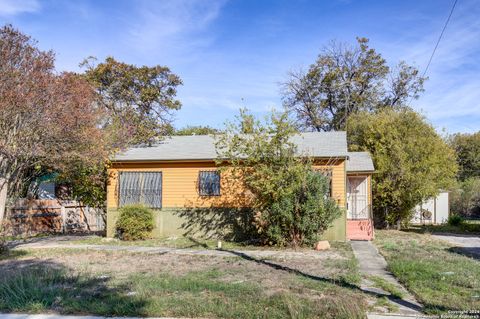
(343, 156)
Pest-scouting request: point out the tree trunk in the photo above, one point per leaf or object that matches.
(399, 224)
(3, 197)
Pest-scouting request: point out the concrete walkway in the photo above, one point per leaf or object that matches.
(371, 263)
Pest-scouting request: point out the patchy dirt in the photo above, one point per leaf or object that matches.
(125, 263)
(311, 274)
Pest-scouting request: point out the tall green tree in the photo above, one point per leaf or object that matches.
(412, 161)
(138, 103)
(344, 80)
(467, 148)
(290, 199)
(140, 100)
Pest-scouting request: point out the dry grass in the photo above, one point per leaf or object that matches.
(143, 284)
(439, 276)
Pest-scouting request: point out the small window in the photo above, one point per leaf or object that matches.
(140, 188)
(209, 183)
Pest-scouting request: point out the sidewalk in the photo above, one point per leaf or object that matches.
(371, 263)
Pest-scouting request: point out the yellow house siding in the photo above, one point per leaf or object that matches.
(338, 179)
(179, 184)
(179, 190)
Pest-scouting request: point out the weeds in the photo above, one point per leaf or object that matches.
(439, 277)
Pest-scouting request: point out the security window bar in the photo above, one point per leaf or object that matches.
(209, 183)
(140, 188)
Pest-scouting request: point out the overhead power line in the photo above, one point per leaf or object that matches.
(440, 38)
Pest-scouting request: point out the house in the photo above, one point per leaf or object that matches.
(179, 173)
(434, 210)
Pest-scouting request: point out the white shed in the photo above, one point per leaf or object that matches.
(432, 211)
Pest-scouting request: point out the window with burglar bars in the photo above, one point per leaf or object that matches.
(327, 172)
(140, 188)
(209, 183)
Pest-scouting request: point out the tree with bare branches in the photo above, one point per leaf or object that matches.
(344, 80)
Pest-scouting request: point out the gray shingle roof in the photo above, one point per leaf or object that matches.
(202, 147)
(359, 162)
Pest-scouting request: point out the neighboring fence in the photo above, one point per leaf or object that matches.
(32, 217)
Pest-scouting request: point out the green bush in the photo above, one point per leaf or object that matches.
(465, 199)
(300, 217)
(455, 220)
(291, 202)
(135, 222)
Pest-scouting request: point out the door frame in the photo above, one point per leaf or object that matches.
(367, 195)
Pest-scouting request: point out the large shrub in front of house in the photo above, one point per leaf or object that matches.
(299, 216)
(291, 202)
(135, 222)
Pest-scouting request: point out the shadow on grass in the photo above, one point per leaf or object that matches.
(338, 282)
(197, 243)
(472, 252)
(46, 238)
(46, 286)
(12, 254)
(467, 229)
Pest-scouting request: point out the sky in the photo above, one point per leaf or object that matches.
(236, 53)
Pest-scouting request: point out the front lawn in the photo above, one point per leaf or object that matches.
(182, 242)
(440, 277)
(119, 283)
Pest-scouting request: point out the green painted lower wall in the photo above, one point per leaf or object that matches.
(338, 230)
(169, 223)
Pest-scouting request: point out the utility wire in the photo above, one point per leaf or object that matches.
(439, 38)
(436, 45)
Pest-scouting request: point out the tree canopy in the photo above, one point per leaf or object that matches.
(71, 123)
(291, 201)
(344, 80)
(139, 100)
(467, 148)
(412, 161)
(196, 130)
(465, 199)
(47, 120)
